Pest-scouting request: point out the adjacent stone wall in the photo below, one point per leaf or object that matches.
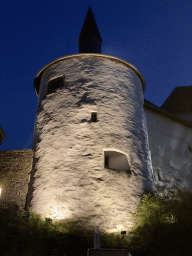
(170, 143)
(15, 167)
(186, 116)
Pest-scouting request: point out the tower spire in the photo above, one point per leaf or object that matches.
(89, 39)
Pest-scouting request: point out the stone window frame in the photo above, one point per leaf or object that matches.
(111, 160)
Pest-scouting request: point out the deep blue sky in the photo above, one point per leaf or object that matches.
(155, 36)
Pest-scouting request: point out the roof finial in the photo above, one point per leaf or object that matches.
(90, 39)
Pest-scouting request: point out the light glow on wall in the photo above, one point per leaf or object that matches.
(56, 212)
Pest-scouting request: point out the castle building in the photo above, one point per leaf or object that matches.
(98, 144)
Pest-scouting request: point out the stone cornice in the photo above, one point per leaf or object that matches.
(87, 55)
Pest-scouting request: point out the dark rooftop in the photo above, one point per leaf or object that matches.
(150, 106)
(179, 101)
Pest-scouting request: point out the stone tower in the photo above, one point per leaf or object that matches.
(92, 160)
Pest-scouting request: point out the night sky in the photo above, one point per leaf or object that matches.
(154, 36)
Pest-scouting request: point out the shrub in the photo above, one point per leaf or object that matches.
(164, 224)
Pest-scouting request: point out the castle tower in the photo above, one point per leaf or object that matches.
(92, 160)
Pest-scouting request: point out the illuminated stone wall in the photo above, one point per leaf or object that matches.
(69, 180)
(170, 143)
(15, 167)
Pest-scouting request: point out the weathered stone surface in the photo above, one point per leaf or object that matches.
(169, 144)
(69, 180)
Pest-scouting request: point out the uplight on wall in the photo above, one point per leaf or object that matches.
(0, 192)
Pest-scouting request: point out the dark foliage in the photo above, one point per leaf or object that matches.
(163, 226)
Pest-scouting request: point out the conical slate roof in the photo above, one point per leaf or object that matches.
(89, 28)
(179, 100)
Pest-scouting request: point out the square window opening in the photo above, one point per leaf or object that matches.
(55, 84)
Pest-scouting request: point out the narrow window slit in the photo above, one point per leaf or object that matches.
(94, 116)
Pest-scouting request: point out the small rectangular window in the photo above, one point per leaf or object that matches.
(94, 116)
(55, 84)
